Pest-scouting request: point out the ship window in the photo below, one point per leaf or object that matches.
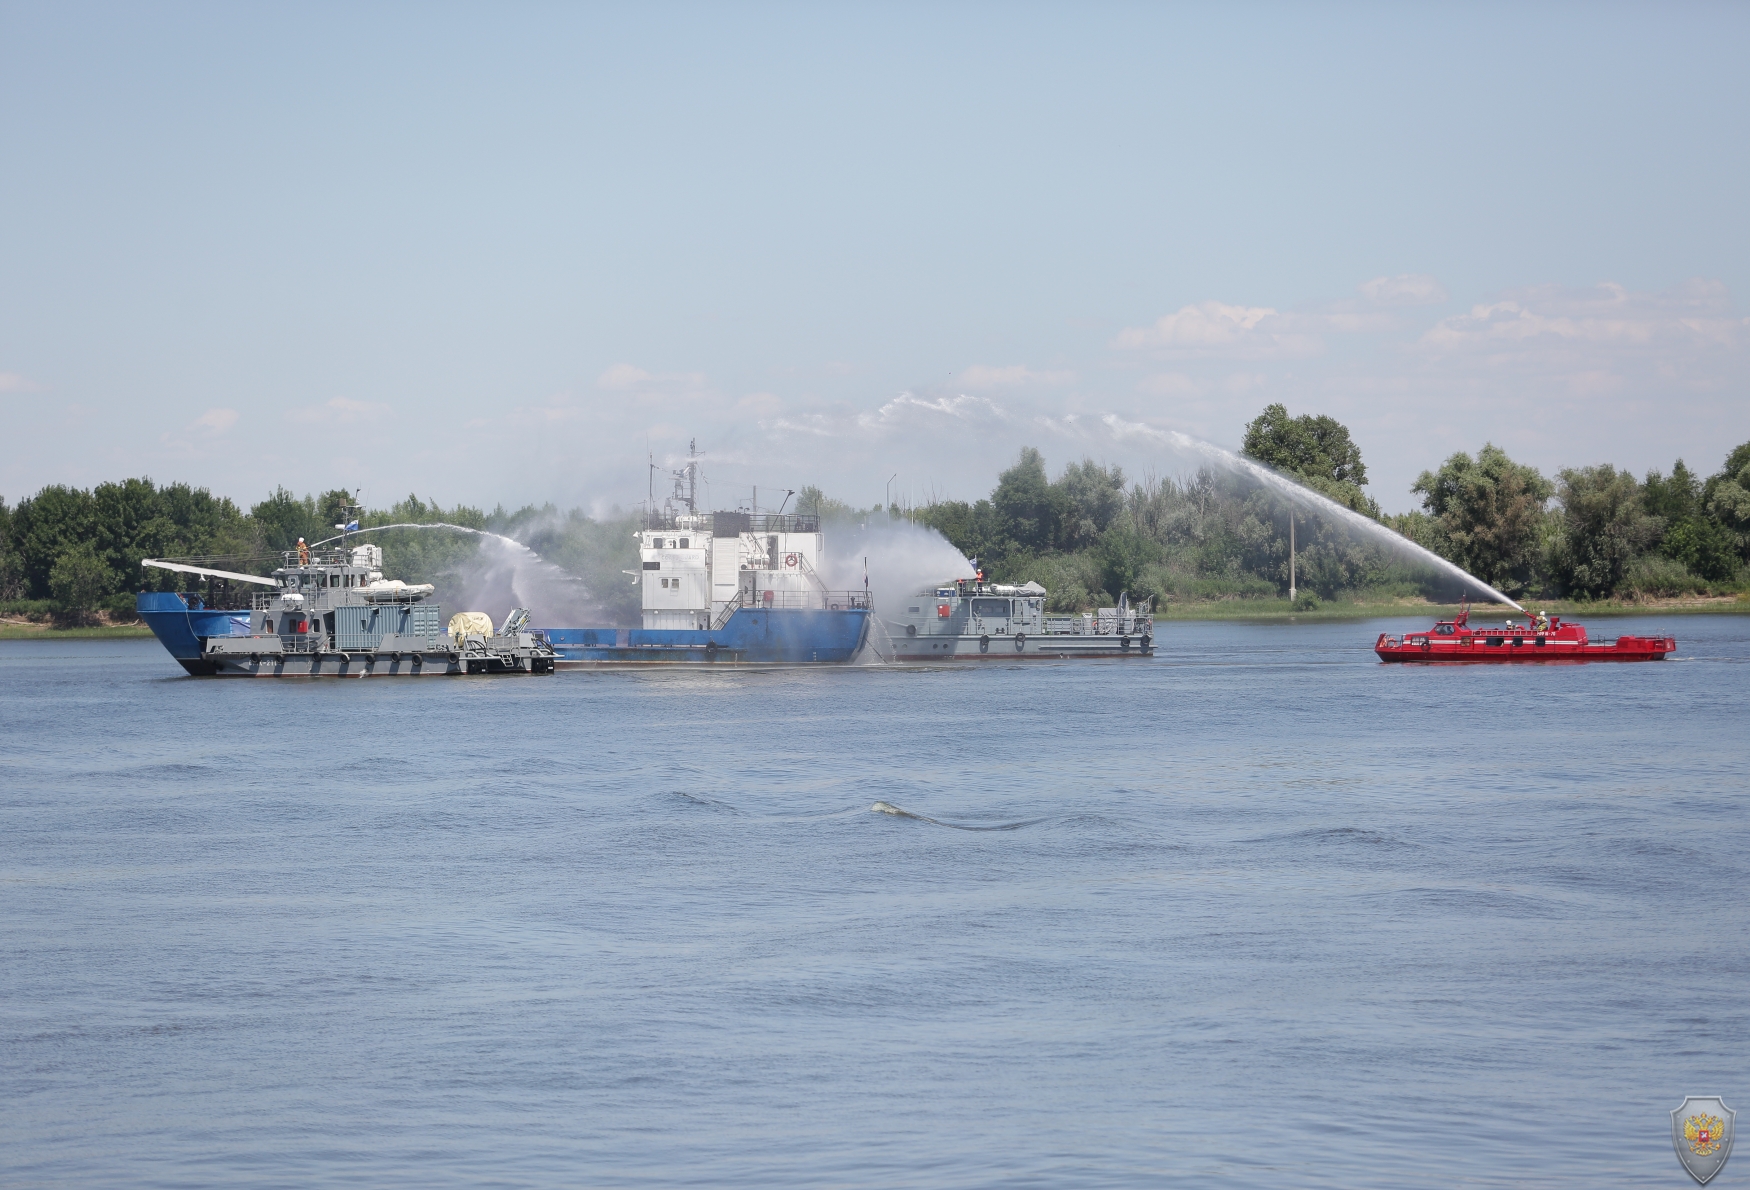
(912, 611)
(1443, 629)
(681, 544)
(994, 608)
(653, 566)
(656, 543)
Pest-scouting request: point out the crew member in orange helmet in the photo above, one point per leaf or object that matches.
(303, 553)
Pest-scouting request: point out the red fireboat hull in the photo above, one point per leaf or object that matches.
(1503, 648)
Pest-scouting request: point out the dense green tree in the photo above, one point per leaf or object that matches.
(1604, 525)
(11, 565)
(1026, 513)
(1490, 512)
(1088, 498)
(282, 518)
(1315, 447)
(1674, 499)
(1124, 554)
(1706, 548)
(1687, 533)
(78, 580)
(970, 528)
(45, 525)
(1727, 497)
(811, 501)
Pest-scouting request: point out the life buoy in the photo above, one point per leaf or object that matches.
(1020, 641)
(984, 644)
(1427, 644)
(790, 561)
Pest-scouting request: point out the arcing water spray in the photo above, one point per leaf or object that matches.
(1305, 498)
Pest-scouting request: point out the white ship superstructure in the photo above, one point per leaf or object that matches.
(699, 568)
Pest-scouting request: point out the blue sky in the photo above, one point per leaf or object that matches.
(499, 253)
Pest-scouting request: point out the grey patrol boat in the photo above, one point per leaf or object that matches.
(330, 613)
(972, 620)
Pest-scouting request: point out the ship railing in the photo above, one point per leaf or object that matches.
(1135, 624)
(769, 600)
(733, 524)
(218, 597)
(813, 600)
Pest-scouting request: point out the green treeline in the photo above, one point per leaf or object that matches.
(1590, 532)
(68, 553)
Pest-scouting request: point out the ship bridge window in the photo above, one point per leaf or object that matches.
(992, 608)
(681, 544)
(1443, 629)
(656, 543)
(653, 566)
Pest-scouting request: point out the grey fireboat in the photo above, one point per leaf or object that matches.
(332, 614)
(972, 620)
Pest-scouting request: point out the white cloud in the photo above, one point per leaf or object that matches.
(1405, 289)
(981, 376)
(629, 378)
(1216, 329)
(215, 421)
(12, 382)
(760, 404)
(340, 411)
(198, 435)
(1169, 384)
(1552, 324)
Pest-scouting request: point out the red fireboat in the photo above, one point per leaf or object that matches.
(1544, 638)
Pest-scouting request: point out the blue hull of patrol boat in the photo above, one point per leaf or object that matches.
(183, 629)
(750, 637)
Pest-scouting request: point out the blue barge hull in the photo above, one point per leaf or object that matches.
(751, 636)
(183, 628)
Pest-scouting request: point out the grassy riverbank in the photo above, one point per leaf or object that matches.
(24, 630)
(1280, 610)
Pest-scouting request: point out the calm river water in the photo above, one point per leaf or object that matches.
(1259, 912)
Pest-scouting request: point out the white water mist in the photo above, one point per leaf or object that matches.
(902, 559)
(509, 574)
(1306, 498)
